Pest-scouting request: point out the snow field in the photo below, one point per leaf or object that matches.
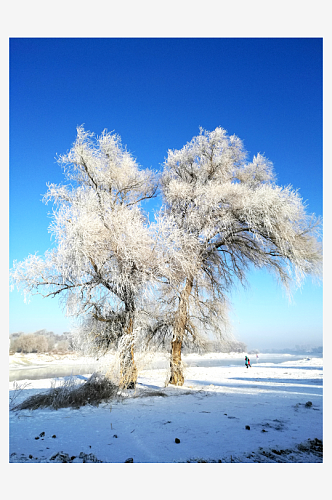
(210, 415)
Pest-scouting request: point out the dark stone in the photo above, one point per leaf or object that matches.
(89, 458)
(308, 404)
(42, 434)
(37, 437)
(248, 427)
(115, 436)
(30, 456)
(129, 461)
(60, 457)
(73, 457)
(54, 436)
(177, 440)
(263, 430)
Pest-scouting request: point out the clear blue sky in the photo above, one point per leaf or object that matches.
(156, 93)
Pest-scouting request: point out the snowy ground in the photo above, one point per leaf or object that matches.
(20, 360)
(267, 413)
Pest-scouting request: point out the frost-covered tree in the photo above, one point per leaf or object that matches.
(231, 215)
(208, 312)
(104, 258)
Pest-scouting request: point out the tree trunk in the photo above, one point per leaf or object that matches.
(181, 318)
(177, 377)
(128, 370)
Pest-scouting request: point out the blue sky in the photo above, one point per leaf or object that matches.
(156, 93)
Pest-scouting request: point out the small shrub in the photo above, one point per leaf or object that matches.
(71, 393)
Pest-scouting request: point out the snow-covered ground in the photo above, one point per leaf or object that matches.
(266, 413)
(20, 360)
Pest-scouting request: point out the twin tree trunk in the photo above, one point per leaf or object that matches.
(128, 370)
(181, 318)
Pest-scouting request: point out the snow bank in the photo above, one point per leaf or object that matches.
(20, 360)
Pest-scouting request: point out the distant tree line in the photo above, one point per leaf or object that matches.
(43, 341)
(225, 346)
(40, 341)
(298, 349)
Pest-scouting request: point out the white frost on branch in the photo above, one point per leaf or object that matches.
(230, 215)
(105, 261)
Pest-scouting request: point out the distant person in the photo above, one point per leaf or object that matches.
(249, 363)
(246, 361)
